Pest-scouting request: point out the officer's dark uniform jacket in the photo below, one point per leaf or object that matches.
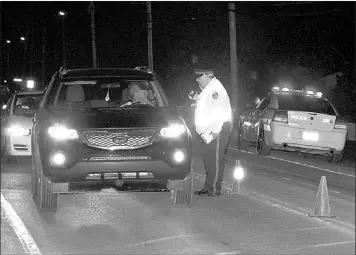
(213, 114)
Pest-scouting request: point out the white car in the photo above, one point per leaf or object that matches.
(16, 124)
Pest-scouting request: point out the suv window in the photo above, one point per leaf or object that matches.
(304, 104)
(101, 92)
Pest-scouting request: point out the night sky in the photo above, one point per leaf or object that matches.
(317, 35)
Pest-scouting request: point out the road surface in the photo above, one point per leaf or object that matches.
(270, 217)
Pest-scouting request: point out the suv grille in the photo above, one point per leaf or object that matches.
(116, 140)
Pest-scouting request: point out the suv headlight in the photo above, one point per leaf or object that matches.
(17, 130)
(173, 131)
(59, 132)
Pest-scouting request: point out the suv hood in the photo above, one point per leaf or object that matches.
(114, 118)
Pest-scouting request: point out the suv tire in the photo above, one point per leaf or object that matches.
(184, 196)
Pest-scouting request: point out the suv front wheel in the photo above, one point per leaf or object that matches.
(42, 193)
(184, 194)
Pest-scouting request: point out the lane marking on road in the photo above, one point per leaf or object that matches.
(228, 253)
(264, 173)
(168, 238)
(284, 178)
(19, 228)
(334, 191)
(326, 245)
(298, 163)
(305, 229)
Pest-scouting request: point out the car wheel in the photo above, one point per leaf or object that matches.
(184, 196)
(45, 198)
(241, 143)
(337, 157)
(262, 147)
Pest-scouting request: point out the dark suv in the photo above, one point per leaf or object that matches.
(112, 127)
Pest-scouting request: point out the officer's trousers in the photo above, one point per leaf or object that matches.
(213, 155)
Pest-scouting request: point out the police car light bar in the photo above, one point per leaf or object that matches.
(285, 89)
(275, 88)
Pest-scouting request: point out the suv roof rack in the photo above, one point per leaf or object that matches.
(144, 68)
(63, 69)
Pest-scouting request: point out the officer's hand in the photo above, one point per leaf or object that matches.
(214, 134)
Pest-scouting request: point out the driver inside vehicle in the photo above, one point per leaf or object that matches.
(141, 96)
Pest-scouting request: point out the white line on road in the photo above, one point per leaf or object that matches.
(305, 229)
(337, 192)
(19, 227)
(228, 253)
(326, 245)
(284, 178)
(298, 163)
(161, 240)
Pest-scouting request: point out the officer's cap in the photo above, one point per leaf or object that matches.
(201, 69)
(200, 72)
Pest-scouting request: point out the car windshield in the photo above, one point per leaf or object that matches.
(110, 92)
(305, 104)
(26, 105)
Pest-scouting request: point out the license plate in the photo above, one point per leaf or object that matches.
(310, 136)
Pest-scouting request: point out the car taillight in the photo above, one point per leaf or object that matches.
(280, 116)
(340, 125)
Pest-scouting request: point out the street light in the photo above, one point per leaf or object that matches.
(62, 13)
(8, 41)
(17, 80)
(22, 38)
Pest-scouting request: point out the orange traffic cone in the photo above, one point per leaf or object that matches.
(322, 205)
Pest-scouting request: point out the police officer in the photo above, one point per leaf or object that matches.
(213, 122)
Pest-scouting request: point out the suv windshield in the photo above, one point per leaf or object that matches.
(113, 92)
(305, 104)
(26, 105)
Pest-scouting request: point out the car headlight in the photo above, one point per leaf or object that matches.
(17, 130)
(173, 131)
(59, 132)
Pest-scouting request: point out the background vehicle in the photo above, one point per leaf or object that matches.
(16, 124)
(90, 130)
(293, 120)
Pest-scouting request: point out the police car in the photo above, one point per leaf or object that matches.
(16, 124)
(293, 120)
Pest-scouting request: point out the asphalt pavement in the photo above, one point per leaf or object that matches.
(270, 216)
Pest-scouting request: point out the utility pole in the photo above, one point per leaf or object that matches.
(233, 55)
(32, 49)
(2, 75)
(44, 57)
(91, 10)
(149, 34)
(63, 42)
(25, 63)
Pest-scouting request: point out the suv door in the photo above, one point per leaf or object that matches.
(257, 115)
